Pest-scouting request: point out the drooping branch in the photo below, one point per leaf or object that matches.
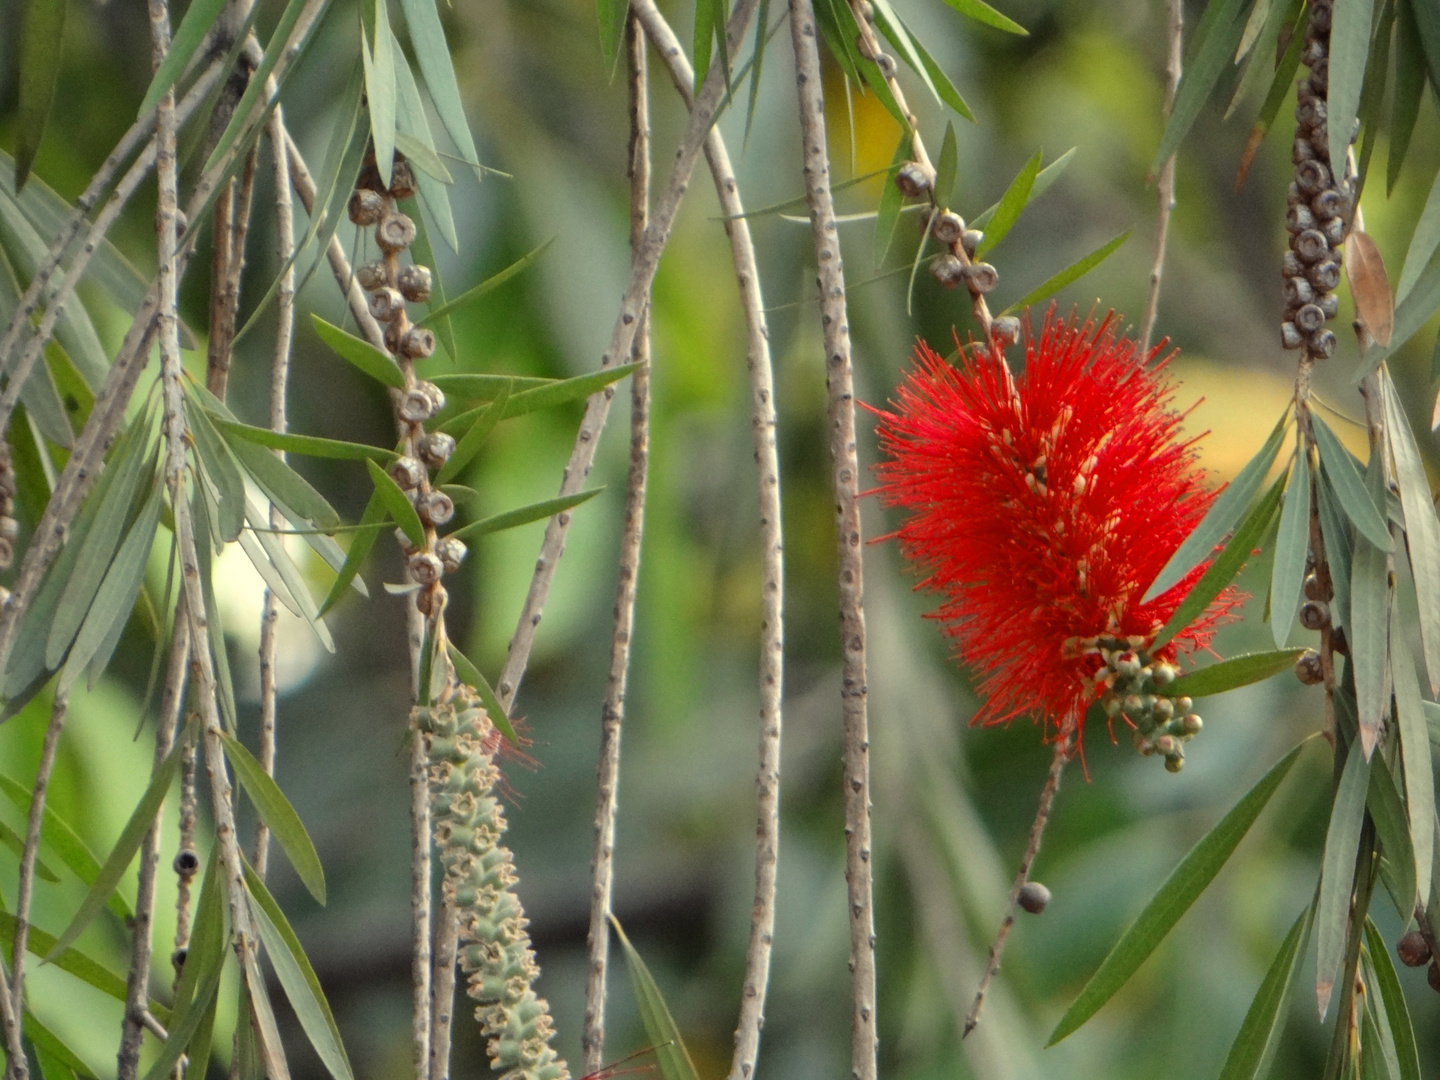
(622, 337)
(845, 466)
(1165, 188)
(612, 716)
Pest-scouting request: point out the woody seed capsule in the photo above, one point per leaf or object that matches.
(386, 303)
(1006, 329)
(425, 568)
(406, 472)
(1297, 291)
(371, 276)
(1314, 614)
(1322, 344)
(1311, 246)
(1309, 318)
(1325, 275)
(948, 227)
(948, 270)
(1413, 949)
(366, 206)
(416, 406)
(407, 547)
(418, 343)
(1290, 265)
(1290, 337)
(913, 179)
(1033, 897)
(395, 233)
(452, 553)
(1299, 219)
(1308, 669)
(435, 449)
(981, 277)
(1334, 230)
(1329, 304)
(1312, 176)
(437, 508)
(402, 179)
(970, 241)
(414, 281)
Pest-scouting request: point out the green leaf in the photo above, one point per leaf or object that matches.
(1184, 885)
(488, 387)
(612, 14)
(1071, 273)
(97, 547)
(65, 842)
(1392, 829)
(471, 442)
(16, 843)
(271, 552)
(210, 937)
(1368, 627)
(524, 515)
(940, 83)
(427, 38)
(360, 546)
(891, 200)
(277, 813)
(298, 979)
(1409, 87)
(279, 43)
(125, 847)
(214, 624)
(982, 12)
(1337, 548)
(309, 445)
(671, 1055)
(1211, 48)
(1043, 182)
(488, 285)
(285, 486)
(707, 19)
(1226, 565)
(470, 674)
(1359, 505)
(189, 1022)
(399, 507)
(1292, 545)
(757, 60)
(52, 1068)
(1397, 1014)
(223, 470)
(1415, 755)
(1008, 210)
(1254, 1046)
(1232, 673)
(547, 397)
(948, 167)
(1342, 840)
(115, 598)
(76, 963)
(362, 354)
(1423, 244)
(1349, 49)
(895, 32)
(423, 252)
(42, 38)
(1422, 528)
(381, 91)
(200, 16)
(46, 1041)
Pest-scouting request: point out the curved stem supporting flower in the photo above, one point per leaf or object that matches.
(1064, 750)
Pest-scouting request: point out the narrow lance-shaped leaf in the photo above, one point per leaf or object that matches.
(488, 285)
(471, 675)
(1071, 273)
(670, 1053)
(286, 487)
(362, 354)
(1230, 674)
(1226, 565)
(612, 28)
(547, 397)
(524, 515)
(891, 200)
(1007, 211)
(1409, 88)
(399, 507)
(16, 843)
(947, 167)
(1397, 1014)
(488, 387)
(309, 445)
(1281, 87)
(1337, 547)
(380, 89)
(1415, 755)
(221, 468)
(1368, 633)
(1349, 49)
(42, 32)
(46, 1041)
(1342, 840)
(1392, 829)
(982, 12)
(1254, 1044)
(360, 546)
(1422, 528)
(277, 813)
(125, 847)
(1181, 889)
(271, 551)
(1359, 505)
(427, 37)
(1224, 514)
(895, 32)
(1292, 544)
(939, 81)
(199, 18)
(298, 979)
(84, 968)
(1211, 48)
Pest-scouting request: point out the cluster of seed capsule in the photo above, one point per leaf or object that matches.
(391, 286)
(1134, 689)
(1319, 204)
(479, 882)
(9, 527)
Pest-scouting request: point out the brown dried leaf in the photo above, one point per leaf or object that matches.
(1247, 158)
(1370, 286)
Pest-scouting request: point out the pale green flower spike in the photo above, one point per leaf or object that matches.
(479, 880)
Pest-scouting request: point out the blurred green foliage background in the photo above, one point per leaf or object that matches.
(952, 804)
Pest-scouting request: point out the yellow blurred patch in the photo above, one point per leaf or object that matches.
(1239, 408)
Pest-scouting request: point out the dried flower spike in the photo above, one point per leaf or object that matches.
(1040, 507)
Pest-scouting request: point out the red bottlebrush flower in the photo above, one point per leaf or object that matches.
(1041, 506)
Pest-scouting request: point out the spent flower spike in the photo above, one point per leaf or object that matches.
(1040, 506)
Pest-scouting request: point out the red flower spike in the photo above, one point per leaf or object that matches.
(1041, 507)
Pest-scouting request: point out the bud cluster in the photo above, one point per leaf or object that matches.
(479, 880)
(1134, 690)
(1319, 202)
(391, 287)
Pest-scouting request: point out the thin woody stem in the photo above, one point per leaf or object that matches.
(1064, 748)
(1166, 187)
(772, 632)
(612, 716)
(622, 337)
(845, 475)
